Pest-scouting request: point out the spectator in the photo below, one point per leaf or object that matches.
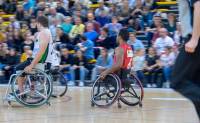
(102, 10)
(14, 23)
(27, 42)
(20, 13)
(86, 46)
(104, 61)
(147, 16)
(138, 65)
(114, 27)
(177, 34)
(167, 61)
(103, 19)
(124, 10)
(105, 40)
(163, 41)
(9, 6)
(67, 25)
(171, 23)
(53, 27)
(91, 34)
(77, 29)
(55, 15)
(67, 61)
(78, 13)
(61, 9)
(80, 67)
(28, 4)
(135, 43)
(17, 39)
(33, 25)
(152, 67)
(96, 25)
(26, 54)
(10, 61)
(64, 38)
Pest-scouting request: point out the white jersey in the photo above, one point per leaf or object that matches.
(48, 55)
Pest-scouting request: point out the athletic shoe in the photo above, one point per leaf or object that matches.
(71, 83)
(148, 85)
(81, 84)
(154, 85)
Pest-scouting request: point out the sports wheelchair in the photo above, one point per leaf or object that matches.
(38, 86)
(106, 92)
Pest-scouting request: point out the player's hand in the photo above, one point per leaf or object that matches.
(103, 75)
(28, 69)
(191, 46)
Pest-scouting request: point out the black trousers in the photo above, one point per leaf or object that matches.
(186, 75)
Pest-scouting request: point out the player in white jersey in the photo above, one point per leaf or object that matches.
(42, 52)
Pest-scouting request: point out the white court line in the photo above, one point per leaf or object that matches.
(170, 99)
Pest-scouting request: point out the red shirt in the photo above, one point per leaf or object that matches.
(128, 56)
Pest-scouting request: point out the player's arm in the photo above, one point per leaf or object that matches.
(196, 22)
(44, 40)
(119, 53)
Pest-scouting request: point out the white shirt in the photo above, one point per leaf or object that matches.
(161, 43)
(168, 60)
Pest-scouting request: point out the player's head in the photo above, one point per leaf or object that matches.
(123, 36)
(42, 21)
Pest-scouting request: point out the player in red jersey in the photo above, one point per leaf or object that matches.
(122, 58)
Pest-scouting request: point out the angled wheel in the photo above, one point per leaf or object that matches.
(37, 88)
(105, 92)
(132, 92)
(59, 84)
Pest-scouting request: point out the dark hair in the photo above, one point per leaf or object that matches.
(43, 20)
(82, 37)
(105, 29)
(124, 34)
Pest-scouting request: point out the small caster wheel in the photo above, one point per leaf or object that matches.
(119, 105)
(48, 103)
(92, 104)
(140, 105)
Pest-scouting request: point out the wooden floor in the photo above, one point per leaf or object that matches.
(159, 106)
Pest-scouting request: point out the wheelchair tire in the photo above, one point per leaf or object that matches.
(135, 91)
(60, 86)
(110, 87)
(36, 74)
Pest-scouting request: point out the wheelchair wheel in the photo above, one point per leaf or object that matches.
(105, 92)
(37, 88)
(59, 84)
(132, 91)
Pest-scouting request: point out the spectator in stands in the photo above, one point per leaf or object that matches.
(26, 54)
(135, 43)
(10, 61)
(91, 19)
(54, 14)
(103, 19)
(167, 61)
(90, 33)
(17, 39)
(104, 61)
(33, 25)
(150, 3)
(28, 41)
(67, 25)
(135, 24)
(77, 29)
(152, 68)
(163, 41)
(102, 9)
(86, 46)
(80, 67)
(9, 6)
(124, 10)
(20, 13)
(171, 23)
(78, 13)
(177, 34)
(28, 4)
(147, 16)
(14, 23)
(67, 61)
(105, 40)
(61, 9)
(138, 65)
(64, 38)
(53, 27)
(114, 27)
